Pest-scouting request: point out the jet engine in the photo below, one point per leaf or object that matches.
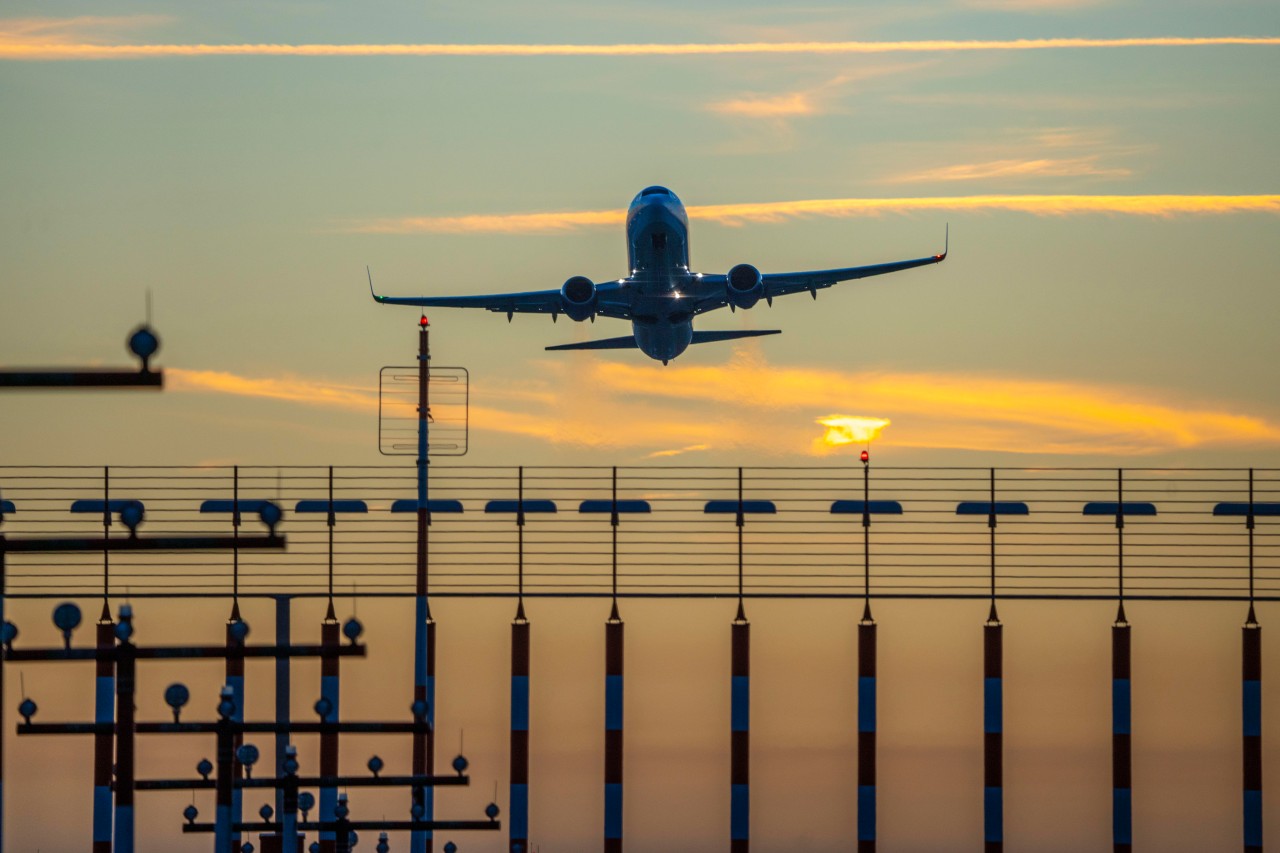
(578, 295)
(744, 286)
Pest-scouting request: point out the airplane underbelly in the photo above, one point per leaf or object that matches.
(663, 340)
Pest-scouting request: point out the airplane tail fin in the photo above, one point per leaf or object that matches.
(712, 337)
(628, 342)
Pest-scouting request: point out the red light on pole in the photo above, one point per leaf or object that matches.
(865, 457)
(423, 322)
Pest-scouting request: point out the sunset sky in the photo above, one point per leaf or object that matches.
(1107, 169)
(1108, 177)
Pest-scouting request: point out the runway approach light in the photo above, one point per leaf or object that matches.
(850, 429)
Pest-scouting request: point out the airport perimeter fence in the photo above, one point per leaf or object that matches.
(1184, 533)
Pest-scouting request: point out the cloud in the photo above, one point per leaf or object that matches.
(662, 454)
(994, 169)
(778, 211)
(1030, 5)
(787, 105)
(289, 389)
(747, 405)
(814, 100)
(82, 27)
(76, 41)
(497, 223)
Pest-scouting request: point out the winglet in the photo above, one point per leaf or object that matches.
(946, 244)
(376, 297)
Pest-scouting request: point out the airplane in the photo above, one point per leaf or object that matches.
(662, 295)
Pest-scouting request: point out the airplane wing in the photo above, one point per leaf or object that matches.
(786, 283)
(611, 301)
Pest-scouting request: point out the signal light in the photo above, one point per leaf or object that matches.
(865, 456)
(423, 322)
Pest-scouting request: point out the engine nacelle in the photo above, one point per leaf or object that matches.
(744, 286)
(578, 296)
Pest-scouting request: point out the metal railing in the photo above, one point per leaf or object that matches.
(676, 548)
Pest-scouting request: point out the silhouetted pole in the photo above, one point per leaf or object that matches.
(224, 782)
(329, 695)
(3, 557)
(289, 798)
(283, 630)
(1121, 701)
(104, 715)
(613, 687)
(429, 793)
(104, 695)
(329, 740)
(126, 687)
(519, 837)
(235, 655)
(423, 624)
(866, 684)
(993, 706)
(1251, 648)
(740, 713)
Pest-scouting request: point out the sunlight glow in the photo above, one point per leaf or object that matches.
(850, 429)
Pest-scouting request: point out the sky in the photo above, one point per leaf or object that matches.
(1106, 170)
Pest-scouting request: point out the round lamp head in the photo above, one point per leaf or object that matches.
(144, 343)
(66, 617)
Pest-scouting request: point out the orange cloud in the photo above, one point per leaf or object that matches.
(498, 223)
(18, 44)
(778, 211)
(749, 405)
(662, 454)
(789, 105)
(994, 169)
(288, 389)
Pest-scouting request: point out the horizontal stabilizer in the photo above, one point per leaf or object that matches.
(712, 337)
(628, 342)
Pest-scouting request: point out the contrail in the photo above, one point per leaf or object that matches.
(23, 47)
(776, 211)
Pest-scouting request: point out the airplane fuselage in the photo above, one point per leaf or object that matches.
(658, 255)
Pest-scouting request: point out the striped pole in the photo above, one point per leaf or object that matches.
(1251, 648)
(423, 626)
(740, 736)
(329, 740)
(289, 800)
(1252, 700)
(866, 683)
(993, 706)
(329, 696)
(740, 713)
(613, 685)
(613, 732)
(993, 726)
(1121, 755)
(235, 680)
(1121, 701)
(126, 687)
(104, 696)
(3, 553)
(866, 732)
(519, 824)
(104, 714)
(429, 793)
(283, 631)
(225, 756)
